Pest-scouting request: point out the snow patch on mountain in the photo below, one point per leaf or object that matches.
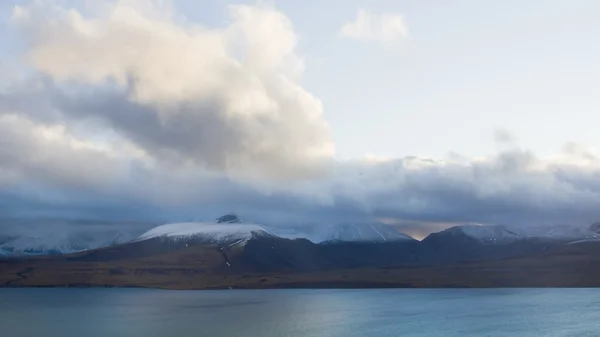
(213, 232)
(364, 232)
(561, 232)
(486, 234)
(504, 234)
(59, 242)
(583, 241)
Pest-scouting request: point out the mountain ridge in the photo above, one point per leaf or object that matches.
(271, 262)
(230, 228)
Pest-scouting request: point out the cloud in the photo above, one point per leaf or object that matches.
(514, 187)
(48, 152)
(137, 114)
(226, 99)
(379, 27)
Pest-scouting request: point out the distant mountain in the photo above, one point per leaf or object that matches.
(59, 242)
(475, 234)
(59, 238)
(223, 233)
(361, 232)
(561, 232)
(228, 243)
(500, 234)
(227, 252)
(184, 259)
(481, 243)
(348, 245)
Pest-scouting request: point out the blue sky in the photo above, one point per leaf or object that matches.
(466, 69)
(426, 111)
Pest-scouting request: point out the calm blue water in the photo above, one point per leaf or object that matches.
(279, 313)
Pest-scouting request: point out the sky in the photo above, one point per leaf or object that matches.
(424, 113)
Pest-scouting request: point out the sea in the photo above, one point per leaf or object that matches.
(106, 312)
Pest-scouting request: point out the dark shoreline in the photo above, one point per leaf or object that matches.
(294, 286)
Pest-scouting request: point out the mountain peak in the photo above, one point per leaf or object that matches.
(222, 232)
(228, 218)
(482, 233)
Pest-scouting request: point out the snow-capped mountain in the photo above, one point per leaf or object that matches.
(360, 232)
(561, 232)
(505, 234)
(64, 238)
(484, 234)
(227, 229)
(60, 242)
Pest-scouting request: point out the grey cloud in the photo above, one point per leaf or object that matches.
(33, 151)
(514, 187)
(198, 133)
(415, 191)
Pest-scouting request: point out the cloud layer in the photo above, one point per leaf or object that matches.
(226, 99)
(137, 114)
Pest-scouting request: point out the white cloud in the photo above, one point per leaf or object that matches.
(370, 26)
(227, 99)
(47, 153)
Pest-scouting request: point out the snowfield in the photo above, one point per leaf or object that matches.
(363, 232)
(208, 231)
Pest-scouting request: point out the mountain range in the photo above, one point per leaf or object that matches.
(63, 240)
(228, 253)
